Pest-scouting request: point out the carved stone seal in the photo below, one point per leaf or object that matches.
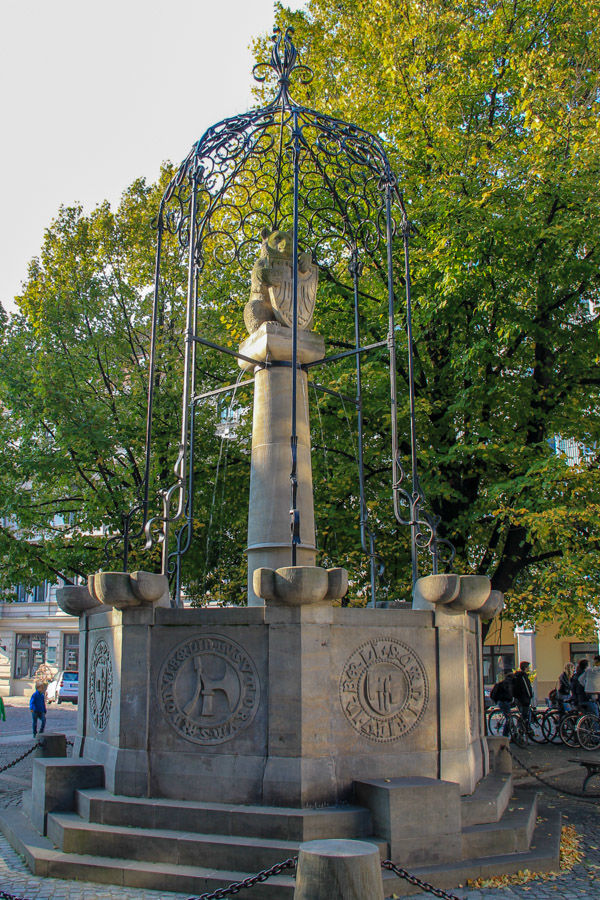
(383, 689)
(100, 685)
(208, 689)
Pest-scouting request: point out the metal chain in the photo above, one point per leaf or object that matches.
(586, 798)
(18, 760)
(412, 879)
(249, 882)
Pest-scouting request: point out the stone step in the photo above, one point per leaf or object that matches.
(280, 823)
(45, 861)
(488, 801)
(542, 856)
(512, 834)
(71, 834)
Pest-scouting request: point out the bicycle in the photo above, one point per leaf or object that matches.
(588, 731)
(516, 726)
(538, 731)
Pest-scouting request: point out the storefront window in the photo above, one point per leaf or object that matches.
(583, 651)
(30, 654)
(71, 652)
(496, 659)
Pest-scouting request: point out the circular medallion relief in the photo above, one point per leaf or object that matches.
(208, 689)
(100, 685)
(383, 689)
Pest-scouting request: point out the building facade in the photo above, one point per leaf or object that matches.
(34, 631)
(506, 645)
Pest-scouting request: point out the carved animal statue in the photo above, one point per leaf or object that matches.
(271, 284)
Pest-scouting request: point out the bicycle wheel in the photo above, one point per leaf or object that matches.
(568, 730)
(495, 722)
(537, 732)
(518, 732)
(550, 724)
(588, 732)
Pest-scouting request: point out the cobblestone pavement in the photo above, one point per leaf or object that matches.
(582, 883)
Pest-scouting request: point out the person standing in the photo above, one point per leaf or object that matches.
(590, 682)
(523, 693)
(563, 687)
(37, 705)
(577, 690)
(502, 694)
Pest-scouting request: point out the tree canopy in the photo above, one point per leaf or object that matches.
(490, 114)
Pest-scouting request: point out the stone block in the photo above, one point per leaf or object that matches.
(418, 817)
(338, 870)
(500, 758)
(51, 745)
(54, 784)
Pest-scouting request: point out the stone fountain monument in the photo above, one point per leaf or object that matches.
(212, 742)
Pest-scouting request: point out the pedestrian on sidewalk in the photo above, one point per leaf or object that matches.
(37, 705)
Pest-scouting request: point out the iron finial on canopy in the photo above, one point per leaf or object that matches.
(283, 62)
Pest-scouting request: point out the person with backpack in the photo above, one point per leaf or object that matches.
(502, 695)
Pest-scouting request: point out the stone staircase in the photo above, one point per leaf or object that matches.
(194, 847)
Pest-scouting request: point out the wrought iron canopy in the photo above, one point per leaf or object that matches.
(284, 166)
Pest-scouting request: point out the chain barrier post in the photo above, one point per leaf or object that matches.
(338, 870)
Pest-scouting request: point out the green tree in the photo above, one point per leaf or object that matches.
(490, 113)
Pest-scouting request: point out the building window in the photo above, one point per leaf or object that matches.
(583, 651)
(30, 654)
(496, 659)
(71, 652)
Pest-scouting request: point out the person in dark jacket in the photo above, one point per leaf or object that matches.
(37, 705)
(577, 689)
(502, 695)
(563, 688)
(523, 693)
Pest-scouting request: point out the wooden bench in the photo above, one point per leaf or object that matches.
(592, 766)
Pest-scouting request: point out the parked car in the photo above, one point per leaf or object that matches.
(65, 687)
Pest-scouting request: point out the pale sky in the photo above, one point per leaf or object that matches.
(96, 95)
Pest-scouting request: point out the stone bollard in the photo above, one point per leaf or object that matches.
(51, 745)
(338, 870)
(500, 758)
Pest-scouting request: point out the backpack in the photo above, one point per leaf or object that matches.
(503, 690)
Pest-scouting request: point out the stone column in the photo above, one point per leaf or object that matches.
(269, 533)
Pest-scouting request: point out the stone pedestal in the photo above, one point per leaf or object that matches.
(269, 535)
(280, 706)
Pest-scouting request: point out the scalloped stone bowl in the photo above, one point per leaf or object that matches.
(122, 590)
(75, 599)
(473, 593)
(492, 606)
(435, 589)
(299, 585)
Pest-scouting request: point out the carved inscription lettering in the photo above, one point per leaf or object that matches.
(100, 685)
(208, 689)
(383, 689)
